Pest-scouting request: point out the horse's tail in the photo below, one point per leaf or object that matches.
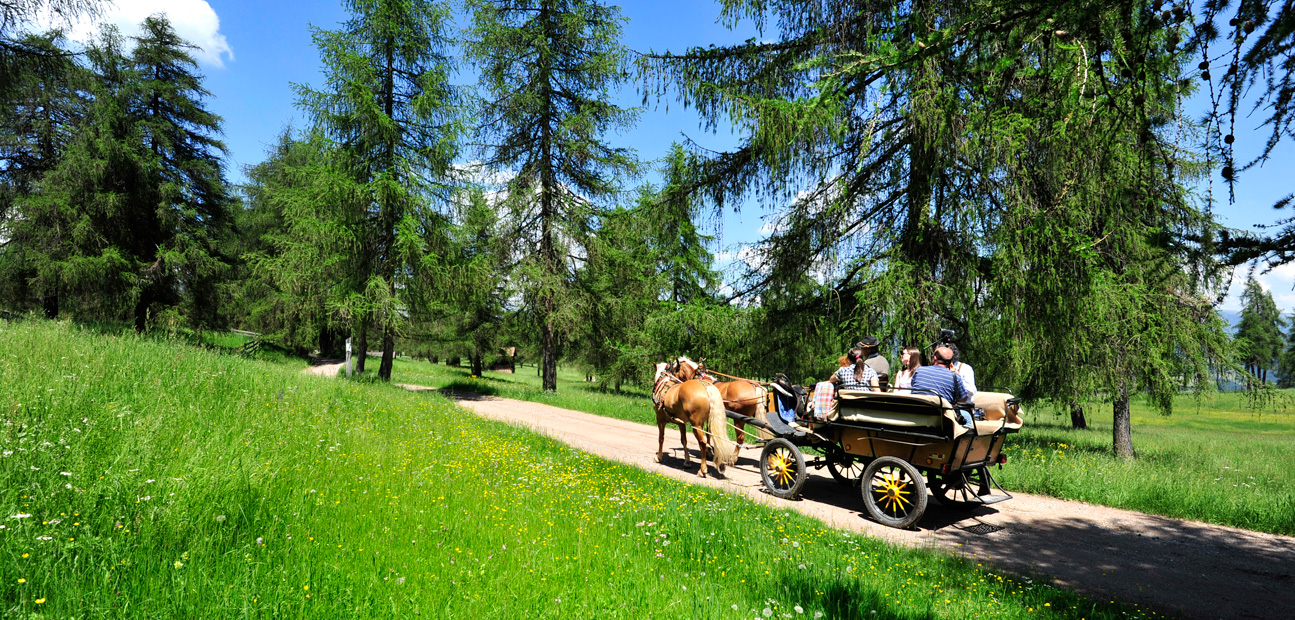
(724, 448)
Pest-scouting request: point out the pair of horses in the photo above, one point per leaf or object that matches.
(684, 394)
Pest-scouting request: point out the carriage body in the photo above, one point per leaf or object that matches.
(897, 444)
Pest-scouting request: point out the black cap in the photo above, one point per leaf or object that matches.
(868, 342)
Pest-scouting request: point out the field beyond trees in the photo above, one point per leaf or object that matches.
(147, 478)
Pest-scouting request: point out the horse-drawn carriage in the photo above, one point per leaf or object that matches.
(892, 446)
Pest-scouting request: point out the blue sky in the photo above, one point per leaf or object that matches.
(251, 52)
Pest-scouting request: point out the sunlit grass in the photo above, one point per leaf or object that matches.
(146, 479)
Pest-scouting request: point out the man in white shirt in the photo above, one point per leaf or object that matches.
(962, 368)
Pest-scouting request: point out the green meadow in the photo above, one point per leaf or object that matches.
(1215, 459)
(147, 478)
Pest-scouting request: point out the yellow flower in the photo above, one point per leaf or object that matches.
(22, 580)
(25, 554)
(40, 601)
(305, 587)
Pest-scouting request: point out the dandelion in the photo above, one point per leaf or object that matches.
(799, 609)
(20, 580)
(261, 541)
(306, 587)
(40, 601)
(768, 613)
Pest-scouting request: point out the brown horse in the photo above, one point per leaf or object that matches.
(692, 402)
(742, 396)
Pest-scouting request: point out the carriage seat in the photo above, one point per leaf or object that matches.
(896, 409)
(999, 412)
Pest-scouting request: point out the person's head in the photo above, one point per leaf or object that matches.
(912, 358)
(859, 359)
(869, 345)
(853, 356)
(943, 356)
(957, 356)
(844, 361)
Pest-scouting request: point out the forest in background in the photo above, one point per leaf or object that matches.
(1017, 172)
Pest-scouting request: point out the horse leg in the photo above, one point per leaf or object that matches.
(660, 440)
(740, 427)
(701, 441)
(683, 439)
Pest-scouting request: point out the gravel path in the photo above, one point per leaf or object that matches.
(1168, 565)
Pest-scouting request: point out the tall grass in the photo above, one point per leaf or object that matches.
(1212, 460)
(141, 479)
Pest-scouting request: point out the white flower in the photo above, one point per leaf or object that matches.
(735, 607)
(8, 452)
(259, 541)
(400, 580)
(55, 521)
(21, 515)
(67, 486)
(768, 613)
(799, 609)
(44, 538)
(817, 615)
(65, 473)
(220, 518)
(148, 481)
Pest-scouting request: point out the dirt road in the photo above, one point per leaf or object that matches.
(1168, 565)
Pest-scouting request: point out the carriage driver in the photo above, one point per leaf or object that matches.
(940, 379)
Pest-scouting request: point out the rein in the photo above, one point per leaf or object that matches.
(709, 371)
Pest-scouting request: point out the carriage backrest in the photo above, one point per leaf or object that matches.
(894, 408)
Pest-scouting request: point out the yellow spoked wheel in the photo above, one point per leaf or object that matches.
(782, 467)
(894, 492)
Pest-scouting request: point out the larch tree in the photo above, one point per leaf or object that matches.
(388, 103)
(899, 139)
(548, 69)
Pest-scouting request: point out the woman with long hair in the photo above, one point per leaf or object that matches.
(911, 358)
(858, 375)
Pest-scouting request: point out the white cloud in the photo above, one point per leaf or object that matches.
(194, 20)
(1278, 282)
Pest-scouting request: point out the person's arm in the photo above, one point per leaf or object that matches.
(968, 377)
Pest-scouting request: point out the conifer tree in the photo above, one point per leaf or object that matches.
(131, 220)
(547, 70)
(388, 104)
(1259, 336)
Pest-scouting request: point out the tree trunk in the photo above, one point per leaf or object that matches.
(388, 351)
(50, 305)
(141, 309)
(476, 362)
(1077, 419)
(1122, 430)
(361, 351)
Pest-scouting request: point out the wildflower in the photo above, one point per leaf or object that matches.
(20, 580)
(40, 601)
(259, 541)
(65, 473)
(21, 515)
(768, 613)
(799, 609)
(220, 518)
(306, 588)
(179, 565)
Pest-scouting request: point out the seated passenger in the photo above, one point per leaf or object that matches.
(911, 358)
(940, 379)
(858, 375)
(964, 369)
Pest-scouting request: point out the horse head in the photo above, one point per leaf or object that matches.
(687, 368)
(660, 370)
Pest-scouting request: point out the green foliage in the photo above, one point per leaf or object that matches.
(131, 220)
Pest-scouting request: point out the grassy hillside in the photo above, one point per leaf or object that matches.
(1215, 459)
(145, 479)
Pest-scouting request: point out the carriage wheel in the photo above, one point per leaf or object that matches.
(893, 492)
(959, 489)
(782, 467)
(845, 467)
